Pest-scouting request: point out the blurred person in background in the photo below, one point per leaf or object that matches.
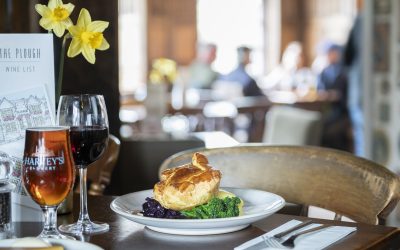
(320, 61)
(292, 74)
(240, 76)
(201, 74)
(353, 61)
(334, 78)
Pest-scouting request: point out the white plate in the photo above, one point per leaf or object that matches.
(257, 205)
(67, 244)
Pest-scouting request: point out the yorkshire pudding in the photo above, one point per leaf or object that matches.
(187, 186)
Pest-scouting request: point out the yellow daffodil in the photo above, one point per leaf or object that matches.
(87, 36)
(164, 70)
(55, 16)
(156, 77)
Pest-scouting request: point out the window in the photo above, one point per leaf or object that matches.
(132, 45)
(230, 24)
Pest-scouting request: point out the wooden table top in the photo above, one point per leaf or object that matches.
(125, 234)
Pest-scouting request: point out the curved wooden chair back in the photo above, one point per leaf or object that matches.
(99, 172)
(338, 181)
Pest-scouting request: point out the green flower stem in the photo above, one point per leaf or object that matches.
(61, 68)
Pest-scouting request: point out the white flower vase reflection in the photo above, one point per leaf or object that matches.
(156, 104)
(176, 125)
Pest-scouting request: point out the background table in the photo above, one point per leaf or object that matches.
(125, 234)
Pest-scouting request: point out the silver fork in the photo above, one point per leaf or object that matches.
(271, 242)
(289, 243)
(274, 240)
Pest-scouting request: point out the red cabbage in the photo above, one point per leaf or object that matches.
(152, 208)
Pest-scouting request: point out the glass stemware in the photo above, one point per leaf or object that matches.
(86, 115)
(48, 172)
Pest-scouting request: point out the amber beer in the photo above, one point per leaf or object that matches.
(48, 169)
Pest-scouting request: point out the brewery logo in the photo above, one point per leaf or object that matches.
(43, 163)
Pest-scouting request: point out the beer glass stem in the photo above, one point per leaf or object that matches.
(83, 214)
(50, 221)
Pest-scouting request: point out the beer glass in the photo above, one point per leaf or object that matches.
(48, 172)
(86, 115)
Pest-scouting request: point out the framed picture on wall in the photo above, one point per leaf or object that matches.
(382, 7)
(384, 112)
(398, 79)
(385, 86)
(381, 46)
(380, 147)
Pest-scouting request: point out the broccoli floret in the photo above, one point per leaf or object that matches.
(232, 206)
(215, 208)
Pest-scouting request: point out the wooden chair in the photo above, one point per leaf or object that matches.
(99, 172)
(338, 181)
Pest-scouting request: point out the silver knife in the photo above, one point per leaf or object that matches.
(288, 231)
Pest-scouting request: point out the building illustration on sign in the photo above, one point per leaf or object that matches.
(18, 114)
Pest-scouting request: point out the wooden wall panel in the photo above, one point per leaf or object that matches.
(15, 16)
(171, 26)
(157, 41)
(293, 22)
(182, 46)
(4, 23)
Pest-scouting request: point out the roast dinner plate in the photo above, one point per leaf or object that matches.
(257, 205)
(67, 244)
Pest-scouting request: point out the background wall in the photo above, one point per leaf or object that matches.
(381, 81)
(382, 86)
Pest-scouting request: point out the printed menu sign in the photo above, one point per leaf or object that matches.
(27, 60)
(27, 99)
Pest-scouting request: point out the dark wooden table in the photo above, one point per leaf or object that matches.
(125, 234)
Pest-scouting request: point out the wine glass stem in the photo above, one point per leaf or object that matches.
(83, 214)
(50, 219)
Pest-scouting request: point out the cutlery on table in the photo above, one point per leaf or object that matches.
(292, 229)
(278, 237)
(273, 242)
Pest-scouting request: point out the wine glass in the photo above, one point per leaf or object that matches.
(48, 172)
(86, 115)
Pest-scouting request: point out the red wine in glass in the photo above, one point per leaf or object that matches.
(88, 143)
(86, 116)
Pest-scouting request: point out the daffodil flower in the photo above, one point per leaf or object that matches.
(87, 36)
(55, 16)
(164, 70)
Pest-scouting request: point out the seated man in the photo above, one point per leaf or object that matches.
(240, 75)
(336, 124)
(201, 73)
(334, 77)
(291, 74)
